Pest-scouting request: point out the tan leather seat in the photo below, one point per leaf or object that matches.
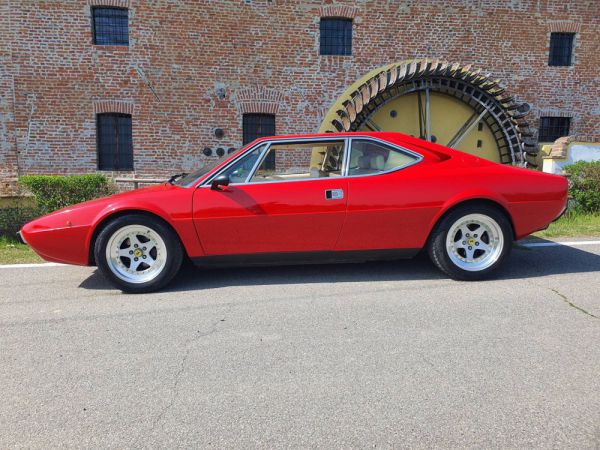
(378, 163)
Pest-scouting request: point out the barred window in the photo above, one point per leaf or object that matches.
(336, 36)
(110, 26)
(255, 126)
(114, 142)
(561, 49)
(551, 128)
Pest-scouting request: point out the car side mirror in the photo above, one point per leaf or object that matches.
(221, 180)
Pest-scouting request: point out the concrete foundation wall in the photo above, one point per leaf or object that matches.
(575, 152)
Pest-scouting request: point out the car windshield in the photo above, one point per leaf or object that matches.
(194, 175)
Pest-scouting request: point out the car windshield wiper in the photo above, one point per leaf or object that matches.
(176, 176)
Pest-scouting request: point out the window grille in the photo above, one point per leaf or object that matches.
(336, 36)
(110, 26)
(561, 49)
(551, 128)
(257, 125)
(114, 142)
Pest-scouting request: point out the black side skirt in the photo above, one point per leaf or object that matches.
(292, 258)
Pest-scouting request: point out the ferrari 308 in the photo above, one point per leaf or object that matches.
(309, 198)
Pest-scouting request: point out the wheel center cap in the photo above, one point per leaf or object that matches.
(137, 253)
(471, 241)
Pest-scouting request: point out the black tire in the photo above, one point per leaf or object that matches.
(174, 253)
(437, 242)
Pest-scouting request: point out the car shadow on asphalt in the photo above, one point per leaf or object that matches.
(524, 262)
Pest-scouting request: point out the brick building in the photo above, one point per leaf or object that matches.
(153, 88)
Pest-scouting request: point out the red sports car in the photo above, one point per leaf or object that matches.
(317, 198)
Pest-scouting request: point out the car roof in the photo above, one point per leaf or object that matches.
(384, 135)
(430, 150)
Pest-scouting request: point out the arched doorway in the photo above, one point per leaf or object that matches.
(446, 103)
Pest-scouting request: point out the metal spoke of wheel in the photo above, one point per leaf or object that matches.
(460, 244)
(124, 252)
(465, 129)
(470, 251)
(484, 247)
(427, 115)
(472, 229)
(135, 241)
(133, 260)
(476, 228)
(465, 232)
(461, 130)
(372, 125)
(466, 132)
(135, 264)
(421, 115)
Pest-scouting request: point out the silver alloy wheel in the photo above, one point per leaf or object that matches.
(474, 242)
(136, 254)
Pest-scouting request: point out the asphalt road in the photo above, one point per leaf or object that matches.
(362, 355)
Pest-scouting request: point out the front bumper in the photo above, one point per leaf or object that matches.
(66, 245)
(21, 239)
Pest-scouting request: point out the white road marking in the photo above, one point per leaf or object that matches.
(30, 266)
(532, 244)
(556, 244)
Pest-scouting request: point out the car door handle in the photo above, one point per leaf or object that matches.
(334, 194)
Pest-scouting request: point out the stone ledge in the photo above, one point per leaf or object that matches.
(559, 148)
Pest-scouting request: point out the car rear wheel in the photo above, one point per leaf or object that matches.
(138, 253)
(471, 242)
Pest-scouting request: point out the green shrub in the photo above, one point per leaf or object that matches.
(584, 185)
(55, 192)
(13, 218)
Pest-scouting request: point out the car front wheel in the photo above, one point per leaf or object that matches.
(138, 253)
(471, 242)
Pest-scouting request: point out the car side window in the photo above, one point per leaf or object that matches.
(292, 161)
(368, 157)
(240, 170)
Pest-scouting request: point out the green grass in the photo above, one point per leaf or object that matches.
(13, 252)
(573, 224)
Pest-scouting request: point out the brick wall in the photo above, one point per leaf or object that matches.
(293, 160)
(8, 155)
(263, 54)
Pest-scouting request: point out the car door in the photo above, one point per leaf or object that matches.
(293, 199)
(384, 186)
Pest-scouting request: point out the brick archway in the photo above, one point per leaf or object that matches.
(113, 106)
(259, 100)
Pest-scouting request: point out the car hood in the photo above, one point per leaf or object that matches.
(85, 213)
(114, 198)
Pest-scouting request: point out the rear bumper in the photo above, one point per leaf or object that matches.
(529, 217)
(562, 213)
